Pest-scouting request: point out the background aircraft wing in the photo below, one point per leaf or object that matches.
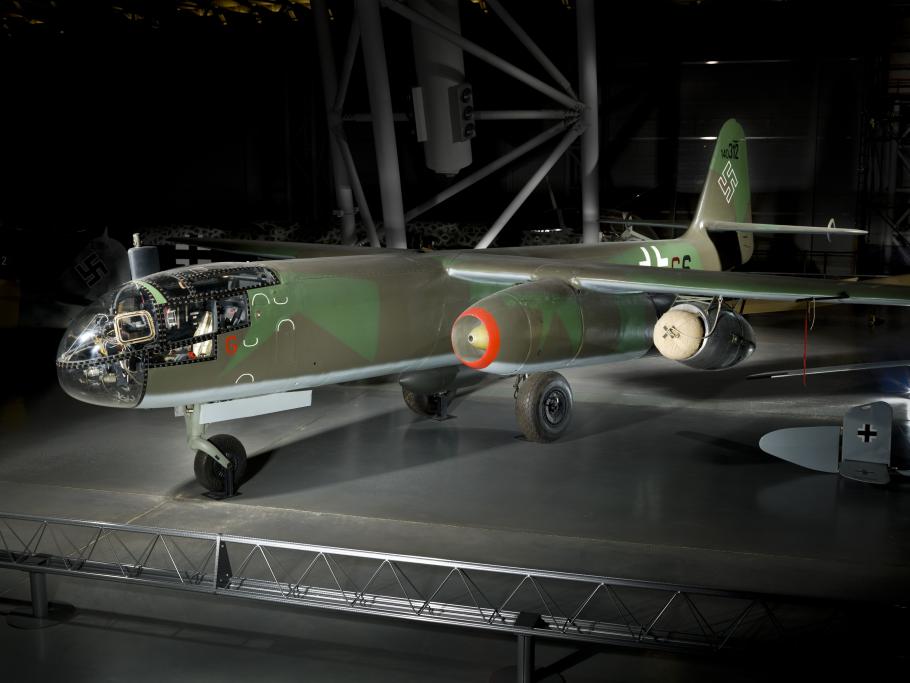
(604, 277)
(829, 369)
(635, 222)
(279, 250)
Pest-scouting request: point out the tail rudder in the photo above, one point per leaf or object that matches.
(726, 195)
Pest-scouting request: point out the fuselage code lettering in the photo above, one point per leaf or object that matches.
(661, 261)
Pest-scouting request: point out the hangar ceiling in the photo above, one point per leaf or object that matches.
(211, 111)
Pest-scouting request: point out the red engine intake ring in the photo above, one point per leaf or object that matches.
(489, 322)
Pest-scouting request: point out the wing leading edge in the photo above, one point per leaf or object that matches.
(604, 277)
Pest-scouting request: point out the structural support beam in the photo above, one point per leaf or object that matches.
(590, 145)
(365, 214)
(524, 665)
(339, 173)
(383, 122)
(482, 173)
(363, 117)
(488, 115)
(479, 52)
(531, 46)
(347, 66)
(524, 114)
(526, 191)
(38, 590)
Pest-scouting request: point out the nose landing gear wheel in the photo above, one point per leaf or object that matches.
(210, 474)
(543, 406)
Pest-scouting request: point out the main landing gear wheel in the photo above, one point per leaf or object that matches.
(543, 406)
(210, 474)
(428, 405)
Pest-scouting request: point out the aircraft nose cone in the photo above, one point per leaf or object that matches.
(94, 366)
(479, 338)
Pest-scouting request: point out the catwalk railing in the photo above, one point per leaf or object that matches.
(520, 601)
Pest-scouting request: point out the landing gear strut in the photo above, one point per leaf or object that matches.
(220, 459)
(543, 406)
(429, 405)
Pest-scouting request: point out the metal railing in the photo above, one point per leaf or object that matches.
(524, 602)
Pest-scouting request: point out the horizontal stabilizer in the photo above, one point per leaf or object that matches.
(860, 451)
(815, 448)
(770, 228)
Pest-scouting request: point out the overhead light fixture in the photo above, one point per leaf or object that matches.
(712, 61)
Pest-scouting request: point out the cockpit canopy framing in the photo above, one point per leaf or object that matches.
(167, 318)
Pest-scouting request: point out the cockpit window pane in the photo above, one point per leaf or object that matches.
(233, 313)
(134, 327)
(211, 281)
(95, 335)
(93, 363)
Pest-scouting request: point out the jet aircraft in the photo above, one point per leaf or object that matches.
(252, 338)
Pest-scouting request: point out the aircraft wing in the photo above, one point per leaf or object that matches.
(604, 277)
(635, 222)
(279, 250)
(830, 369)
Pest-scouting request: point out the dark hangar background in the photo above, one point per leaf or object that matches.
(130, 115)
(206, 116)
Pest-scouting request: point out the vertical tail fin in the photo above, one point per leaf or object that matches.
(726, 195)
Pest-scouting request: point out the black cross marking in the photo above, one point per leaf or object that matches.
(671, 332)
(866, 433)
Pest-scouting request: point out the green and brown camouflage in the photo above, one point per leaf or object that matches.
(237, 330)
(548, 324)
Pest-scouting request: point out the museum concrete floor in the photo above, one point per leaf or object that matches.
(659, 478)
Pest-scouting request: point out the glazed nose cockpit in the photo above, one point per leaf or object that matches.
(99, 359)
(166, 319)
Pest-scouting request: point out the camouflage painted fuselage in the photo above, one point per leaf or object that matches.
(227, 331)
(340, 319)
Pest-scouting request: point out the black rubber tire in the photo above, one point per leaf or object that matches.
(422, 404)
(544, 406)
(210, 474)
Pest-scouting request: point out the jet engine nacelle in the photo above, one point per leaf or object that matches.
(696, 335)
(548, 324)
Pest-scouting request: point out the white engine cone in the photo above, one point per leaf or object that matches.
(679, 334)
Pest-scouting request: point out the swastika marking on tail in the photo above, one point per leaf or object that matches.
(728, 182)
